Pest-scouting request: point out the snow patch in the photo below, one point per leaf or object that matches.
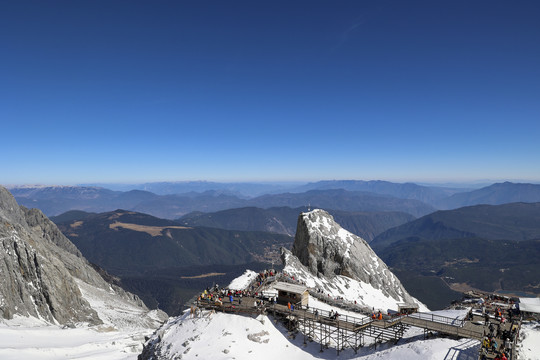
(529, 348)
(243, 281)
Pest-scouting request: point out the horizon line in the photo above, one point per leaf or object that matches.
(274, 182)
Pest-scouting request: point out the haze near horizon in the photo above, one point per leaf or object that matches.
(135, 91)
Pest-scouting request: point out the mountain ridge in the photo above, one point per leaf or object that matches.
(284, 220)
(52, 201)
(43, 272)
(514, 221)
(495, 194)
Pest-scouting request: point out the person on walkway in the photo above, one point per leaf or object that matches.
(485, 343)
(289, 306)
(379, 316)
(494, 345)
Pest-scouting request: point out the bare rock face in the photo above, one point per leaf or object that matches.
(39, 268)
(327, 250)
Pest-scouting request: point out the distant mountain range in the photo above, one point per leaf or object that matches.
(496, 194)
(339, 199)
(353, 195)
(488, 247)
(240, 189)
(426, 194)
(283, 220)
(57, 200)
(514, 222)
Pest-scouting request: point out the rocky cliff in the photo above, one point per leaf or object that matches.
(40, 269)
(326, 250)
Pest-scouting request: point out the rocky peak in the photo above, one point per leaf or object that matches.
(327, 250)
(40, 224)
(9, 209)
(40, 269)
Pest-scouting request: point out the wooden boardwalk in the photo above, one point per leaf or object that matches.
(466, 330)
(348, 331)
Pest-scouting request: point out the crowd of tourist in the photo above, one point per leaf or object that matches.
(500, 319)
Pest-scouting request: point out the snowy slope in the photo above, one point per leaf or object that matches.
(223, 336)
(342, 286)
(120, 337)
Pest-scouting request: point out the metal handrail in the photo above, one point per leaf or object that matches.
(438, 319)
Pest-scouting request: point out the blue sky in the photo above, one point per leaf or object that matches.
(137, 91)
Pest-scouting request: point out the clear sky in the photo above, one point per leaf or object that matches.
(136, 91)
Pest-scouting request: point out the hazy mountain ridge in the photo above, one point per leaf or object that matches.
(56, 200)
(495, 194)
(52, 201)
(515, 222)
(284, 220)
(280, 220)
(339, 199)
(426, 194)
(240, 189)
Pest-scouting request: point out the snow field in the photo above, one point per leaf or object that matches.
(120, 337)
(29, 338)
(529, 348)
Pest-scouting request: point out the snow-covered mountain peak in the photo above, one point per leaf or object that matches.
(325, 254)
(322, 225)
